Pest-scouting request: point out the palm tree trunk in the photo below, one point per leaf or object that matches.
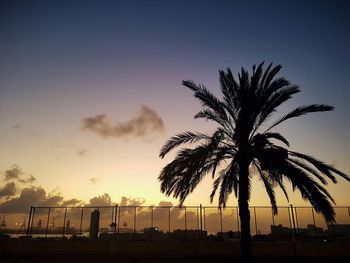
(244, 213)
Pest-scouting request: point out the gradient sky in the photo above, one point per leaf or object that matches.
(64, 61)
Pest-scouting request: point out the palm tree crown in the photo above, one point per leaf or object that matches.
(239, 141)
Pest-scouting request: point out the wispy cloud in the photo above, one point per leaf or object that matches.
(102, 200)
(28, 180)
(81, 152)
(146, 123)
(34, 196)
(8, 190)
(125, 201)
(15, 174)
(93, 180)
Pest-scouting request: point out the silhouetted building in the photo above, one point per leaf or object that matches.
(3, 222)
(23, 224)
(153, 233)
(68, 225)
(312, 231)
(94, 224)
(40, 224)
(341, 230)
(53, 224)
(280, 231)
(229, 235)
(180, 234)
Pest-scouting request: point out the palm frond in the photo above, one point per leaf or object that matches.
(183, 174)
(182, 138)
(302, 111)
(270, 75)
(273, 102)
(309, 189)
(264, 137)
(321, 166)
(309, 169)
(212, 116)
(257, 74)
(228, 182)
(230, 90)
(191, 85)
(269, 185)
(216, 185)
(207, 99)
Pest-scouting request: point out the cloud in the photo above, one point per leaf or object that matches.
(28, 197)
(8, 190)
(165, 203)
(102, 200)
(94, 180)
(81, 152)
(29, 180)
(125, 201)
(146, 123)
(35, 196)
(13, 173)
(72, 202)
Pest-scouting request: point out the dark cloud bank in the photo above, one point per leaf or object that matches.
(18, 194)
(146, 123)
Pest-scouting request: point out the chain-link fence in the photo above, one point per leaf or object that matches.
(186, 222)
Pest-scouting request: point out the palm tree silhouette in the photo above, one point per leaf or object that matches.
(241, 148)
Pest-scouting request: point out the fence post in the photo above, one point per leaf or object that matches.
(293, 221)
(112, 218)
(30, 217)
(221, 228)
(31, 224)
(119, 219)
(256, 223)
(115, 219)
(47, 222)
(169, 221)
(238, 227)
(81, 221)
(200, 218)
(64, 222)
(152, 216)
(296, 218)
(204, 223)
(197, 215)
(290, 221)
(313, 217)
(135, 222)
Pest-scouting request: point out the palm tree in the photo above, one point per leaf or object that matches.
(240, 148)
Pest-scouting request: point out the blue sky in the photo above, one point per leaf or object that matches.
(63, 61)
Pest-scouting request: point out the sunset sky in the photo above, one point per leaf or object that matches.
(90, 90)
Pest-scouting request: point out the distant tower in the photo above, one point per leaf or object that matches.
(23, 224)
(94, 224)
(40, 224)
(3, 222)
(53, 224)
(68, 225)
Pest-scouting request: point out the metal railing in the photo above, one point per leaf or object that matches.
(136, 220)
